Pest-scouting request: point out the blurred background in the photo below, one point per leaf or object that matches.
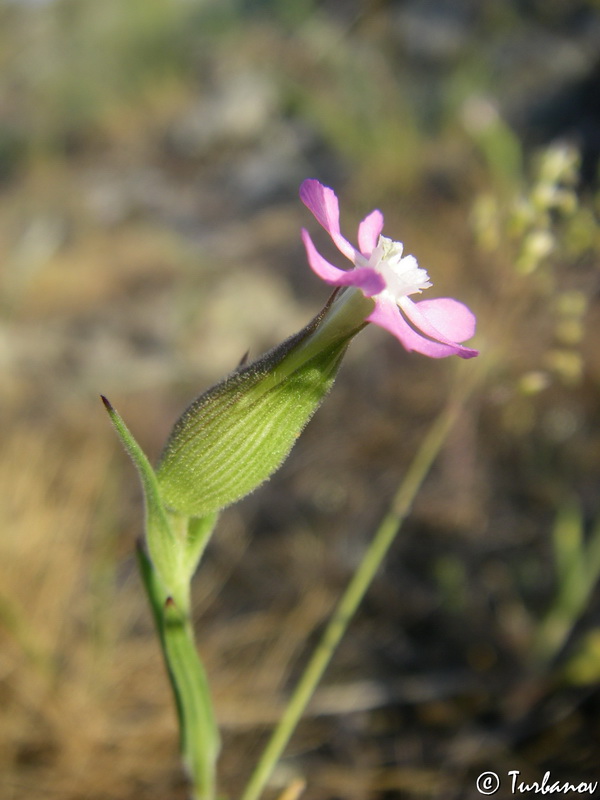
(150, 158)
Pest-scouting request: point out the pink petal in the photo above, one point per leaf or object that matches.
(368, 232)
(453, 319)
(365, 278)
(386, 314)
(423, 323)
(323, 203)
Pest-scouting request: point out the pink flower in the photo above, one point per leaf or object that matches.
(432, 327)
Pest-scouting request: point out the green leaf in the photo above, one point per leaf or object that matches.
(163, 545)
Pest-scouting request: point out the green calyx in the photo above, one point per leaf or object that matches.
(235, 435)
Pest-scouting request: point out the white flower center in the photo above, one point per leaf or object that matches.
(402, 275)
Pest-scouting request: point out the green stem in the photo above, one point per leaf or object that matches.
(198, 730)
(360, 582)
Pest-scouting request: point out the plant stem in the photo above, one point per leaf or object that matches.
(199, 735)
(198, 731)
(360, 582)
